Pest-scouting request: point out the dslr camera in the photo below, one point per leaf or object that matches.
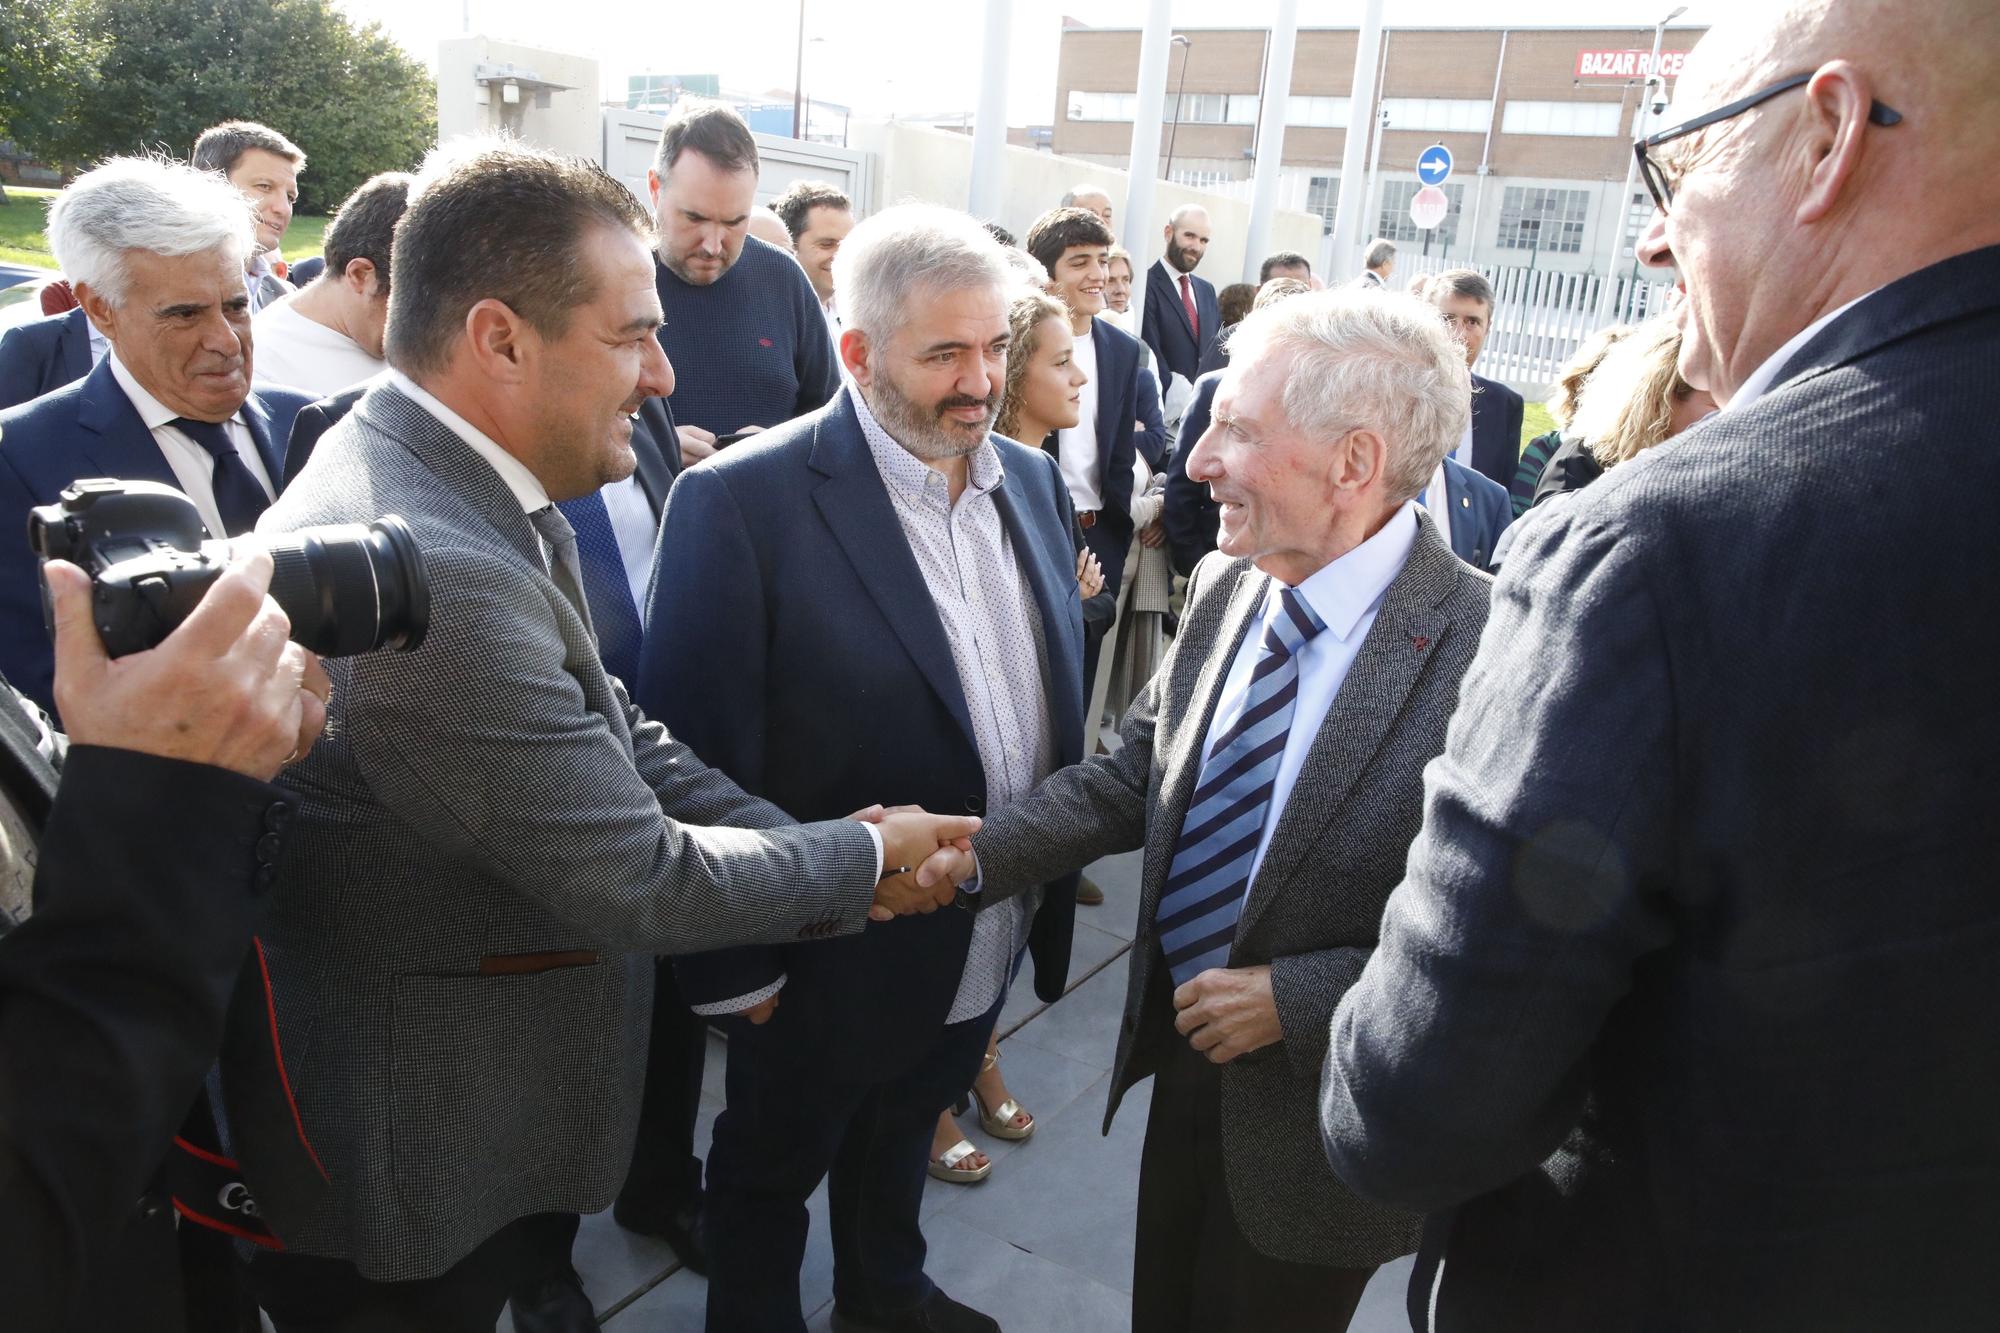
(347, 588)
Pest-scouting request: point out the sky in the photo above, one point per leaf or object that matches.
(906, 56)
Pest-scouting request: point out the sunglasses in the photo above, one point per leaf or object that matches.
(1655, 175)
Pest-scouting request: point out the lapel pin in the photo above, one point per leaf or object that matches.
(1422, 642)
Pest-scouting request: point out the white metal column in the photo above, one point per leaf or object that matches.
(1347, 216)
(1145, 167)
(1276, 95)
(989, 129)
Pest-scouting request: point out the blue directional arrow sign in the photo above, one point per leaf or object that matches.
(1434, 165)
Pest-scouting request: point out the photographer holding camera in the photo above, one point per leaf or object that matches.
(149, 835)
(155, 251)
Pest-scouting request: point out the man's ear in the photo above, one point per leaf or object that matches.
(1361, 457)
(858, 356)
(359, 277)
(1838, 100)
(498, 340)
(97, 310)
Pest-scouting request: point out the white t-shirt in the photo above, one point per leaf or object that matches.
(1076, 447)
(290, 350)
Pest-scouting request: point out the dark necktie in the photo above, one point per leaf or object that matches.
(239, 496)
(613, 613)
(1203, 897)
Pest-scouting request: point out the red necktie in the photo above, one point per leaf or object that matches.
(1187, 299)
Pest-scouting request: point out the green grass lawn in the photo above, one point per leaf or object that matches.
(22, 241)
(1535, 421)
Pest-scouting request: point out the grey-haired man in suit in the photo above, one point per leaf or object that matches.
(492, 841)
(1272, 771)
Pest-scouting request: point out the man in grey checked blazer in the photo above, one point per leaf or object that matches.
(1272, 771)
(491, 842)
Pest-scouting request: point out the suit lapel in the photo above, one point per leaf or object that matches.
(855, 504)
(1108, 399)
(468, 476)
(1464, 521)
(1050, 575)
(116, 442)
(1399, 646)
(264, 432)
(1173, 286)
(650, 441)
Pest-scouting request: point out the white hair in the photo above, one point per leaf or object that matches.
(888, 261)
(1367, 360)
(143, 203)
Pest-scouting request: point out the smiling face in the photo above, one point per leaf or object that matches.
(1187, 239)
(826, 227)
(589, 380)
(271, 184)
(183, 329)
(1052, 389)
(935, 384)
(703, 211)
(1077, 279)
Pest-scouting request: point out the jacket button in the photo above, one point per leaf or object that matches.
(268, 847)
(266, 876)
(279, 815)
(975, 805)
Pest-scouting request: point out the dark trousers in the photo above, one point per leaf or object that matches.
(791, 1121)
(303, 1294)
(1193, 1269)
(665, 1175)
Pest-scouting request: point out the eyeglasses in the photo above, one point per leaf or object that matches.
(1655, 175)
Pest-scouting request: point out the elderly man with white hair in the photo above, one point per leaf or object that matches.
(155, 251)
(1273, 773)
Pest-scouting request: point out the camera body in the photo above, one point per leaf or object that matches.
(347, 588)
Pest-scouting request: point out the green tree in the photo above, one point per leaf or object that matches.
(161, 71)
(40, 56)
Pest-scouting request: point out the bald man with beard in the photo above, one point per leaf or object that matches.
(1680, 1016)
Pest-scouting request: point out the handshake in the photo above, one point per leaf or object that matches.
(913, 842)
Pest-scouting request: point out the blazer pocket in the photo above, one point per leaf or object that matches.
(497, 1079)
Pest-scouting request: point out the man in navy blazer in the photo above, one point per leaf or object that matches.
(43, 355)
(1189, 514)
(1678, 1017)
(810, 581)
(1491, 445)
(1180, 343)
(171, 402)
(1471, 510)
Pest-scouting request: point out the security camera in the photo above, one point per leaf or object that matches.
(1659, 106)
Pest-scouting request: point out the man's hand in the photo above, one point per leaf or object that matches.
(760, 1013)
(227, 687)
(1153, 536)
(909, 838)
(696, 444)
(1228, 1011)
(953, 864)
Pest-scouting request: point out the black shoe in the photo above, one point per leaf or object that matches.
(938, 1313)
(680, 1227)
(555, 1304)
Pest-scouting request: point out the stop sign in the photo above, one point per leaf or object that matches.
(1428, 207)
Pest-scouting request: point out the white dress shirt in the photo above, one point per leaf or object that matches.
(1437, 499)
(193, 466)
(637, 528)
(291, 350)
(1346, 596)
(1076, 446)
(1758, 382)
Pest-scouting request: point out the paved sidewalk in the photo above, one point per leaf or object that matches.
(1045, 1244)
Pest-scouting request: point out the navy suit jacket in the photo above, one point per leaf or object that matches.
(43, 355)
(1480, 512)
(1151, 443)
(1165, 328)
(784, 587)
(1680, 1004)
(85, 429)
(1120, 403)
(1189, 515)
(1496, 430)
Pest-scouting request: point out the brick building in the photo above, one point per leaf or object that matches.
(1539, 120)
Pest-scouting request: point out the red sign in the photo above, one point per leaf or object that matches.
(1628, 64)
(1428, 206)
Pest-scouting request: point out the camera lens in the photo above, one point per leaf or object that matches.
(352, 589)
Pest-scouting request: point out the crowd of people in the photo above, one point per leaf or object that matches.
(812, 598)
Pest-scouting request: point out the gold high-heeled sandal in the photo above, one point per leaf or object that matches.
(999, 1122)
(947, 1168)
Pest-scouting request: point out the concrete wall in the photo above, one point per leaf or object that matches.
(570, 123)
(918, 163)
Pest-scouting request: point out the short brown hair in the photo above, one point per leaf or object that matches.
(504, 222)
(1235, 301)
(710, 128)
(365, 226)
(1461, 282)
(794, 207)
(1282, 259)
(221, 147)
(1059, 230)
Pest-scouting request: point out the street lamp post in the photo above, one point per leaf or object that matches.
(1173, 135)
(1606, 296)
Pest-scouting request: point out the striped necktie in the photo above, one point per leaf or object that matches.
(1203, 897)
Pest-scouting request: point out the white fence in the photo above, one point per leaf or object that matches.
(1539, 316)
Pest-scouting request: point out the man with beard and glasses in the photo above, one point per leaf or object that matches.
(744, 327)
(879, 596)
(1181, 315)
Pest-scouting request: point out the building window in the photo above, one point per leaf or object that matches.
(1592, 120)
(1200, 178)
(1200, 108)
(1323, 198)
(1327, 113)
(1243, 108)
(1395, 223)
(1438, 113)
(1103, 106)
(1535, 218)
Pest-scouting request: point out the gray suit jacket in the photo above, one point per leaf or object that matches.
(490, 844)
(1317, 899)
